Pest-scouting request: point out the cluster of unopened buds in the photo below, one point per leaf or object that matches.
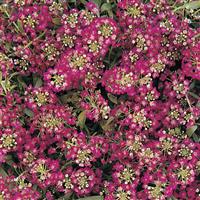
(92, 105)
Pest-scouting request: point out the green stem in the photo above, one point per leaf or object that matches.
(8, 15)
(42, 34)
(66, 164)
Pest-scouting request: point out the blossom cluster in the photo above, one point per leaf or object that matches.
(92, 105)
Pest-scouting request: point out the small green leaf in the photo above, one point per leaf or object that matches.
(106, 7)
(8, 46)
(56, 21)
(66, 98)
(20, 26)
(72, 1)
(12, 75)
(3, 85)
(21, 82)
(28, 112)
(2, 172)
(193, 5)
(107, 125)
(12, 87)
(82, 119)
(193, 95)
(92, 198)
(9, 160)
(83, 1)
(112, 98)
(66, 197)
(191, 130)
(97, 2)
(195, 137)
(71, 96)
(192, 85)
(38, 82)
(110, 13)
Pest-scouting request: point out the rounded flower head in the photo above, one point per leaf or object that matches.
(119, 80)
(83, 180)
(52, 119)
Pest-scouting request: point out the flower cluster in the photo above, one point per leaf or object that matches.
(99, 105)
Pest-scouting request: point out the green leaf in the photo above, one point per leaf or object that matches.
(195, 137)
(72, 97)
(193, 95)
(83, 1)
(82, 119)
(56, 21)
(107, 125)
(12, 75)
(38, 82)
(20, 26)
(66, 197)
(192, 85)
(21, 82)
(191, 130)
(12, 87)
(3, 85)
(92, 198)
(192, 5)
(2, 172)
(112, 98)
(9, 160)
(106, 7)
(97, 2)
(66, 98)
(8, 46)
(28, 112)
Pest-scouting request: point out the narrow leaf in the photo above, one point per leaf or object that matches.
(97, 2)
(72, 97)
(195, 137)
(20, 26)
(82, 119)
(112, 98)
(2, 172)
(191, 130)
(3, 85)
(21, 82)
(38, 82)
(28, 112)
(66, 197)
(106, 7)
(193, 5)
(56, 21)
(9, 160)
(83, 1)
(107, 125)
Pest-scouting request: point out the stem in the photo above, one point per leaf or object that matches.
(178, 8)
(42, 34)
(67, 163)
(8, 15)
(193, 95)
(188, 101)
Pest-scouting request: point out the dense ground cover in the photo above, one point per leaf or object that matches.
(99, 100)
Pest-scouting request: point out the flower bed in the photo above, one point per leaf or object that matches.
(99, 100)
